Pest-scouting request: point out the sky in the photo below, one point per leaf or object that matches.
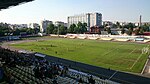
(59, 10)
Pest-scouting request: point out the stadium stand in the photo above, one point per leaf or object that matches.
(22, 68)
(106, 39)
(145, 41)
(93, 38)
(124, 40)
(81, 37)
(19, 68)
(72, 37)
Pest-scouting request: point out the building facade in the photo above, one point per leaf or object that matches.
(108, 23)
(92, 19)
(44, 24)
(95, 30)
(60, 23)
(18, 26)
(33, 25)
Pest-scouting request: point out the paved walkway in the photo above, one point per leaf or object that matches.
(147, 69)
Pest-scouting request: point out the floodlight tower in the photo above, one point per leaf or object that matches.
(140, 21)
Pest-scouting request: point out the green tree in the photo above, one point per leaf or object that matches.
(122, 30)
(129, 25)
(105, 25)
(136, 31)
(36, 30)
(55, 31)
(5, 30)
(114, 26)
(62, 30)
(50, 29)
(107, 29)
(84, 28)
(30, 31)
(72, 28)
(129, 32)
(118, 25)
(141, 31)
(145, 27)
(16, 32)
(79, 28)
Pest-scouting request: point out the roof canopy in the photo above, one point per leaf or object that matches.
(4, 4)
(40, 55)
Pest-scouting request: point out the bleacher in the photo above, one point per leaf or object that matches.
(21, 71)
(25, 75)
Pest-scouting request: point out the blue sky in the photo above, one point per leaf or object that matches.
(58, 10)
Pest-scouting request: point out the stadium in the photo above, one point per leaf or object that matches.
(106, 61)
(73, 58)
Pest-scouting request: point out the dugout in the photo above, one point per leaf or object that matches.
(40, 56)
(139, 39)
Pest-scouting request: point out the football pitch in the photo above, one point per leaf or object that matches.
(122, 56)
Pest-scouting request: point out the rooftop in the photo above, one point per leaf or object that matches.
(4, 4)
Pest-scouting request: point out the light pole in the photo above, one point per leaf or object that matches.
(58, 30)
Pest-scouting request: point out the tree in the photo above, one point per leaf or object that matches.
(102, 26)
(55, 31)
(108, 30)
(114, 26)
(30, 31)
(76, 30)
(4, 30)
(36, 30)
(141, 31)
(16, 32)
(62, 30)
(118, 25)
(84, 28)
(136, 31)
(50, 29)
(72, 28)
(105, 25)
(130, 31)
(145, 27)
(129, 25)
(79, 28)
(122, 30)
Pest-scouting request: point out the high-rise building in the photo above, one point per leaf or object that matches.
(92, 19)
(44, 24)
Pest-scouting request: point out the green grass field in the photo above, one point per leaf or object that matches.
(115, 55)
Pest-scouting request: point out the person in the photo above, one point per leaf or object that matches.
(10, 78)
(91, 80)
(80, 81)
(1, 73)
(55, 81)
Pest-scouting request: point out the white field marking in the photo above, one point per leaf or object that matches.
(132, 51)
(136, 61)
(112, 75)
(112, 50)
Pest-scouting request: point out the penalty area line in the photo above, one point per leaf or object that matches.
(136, 61)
